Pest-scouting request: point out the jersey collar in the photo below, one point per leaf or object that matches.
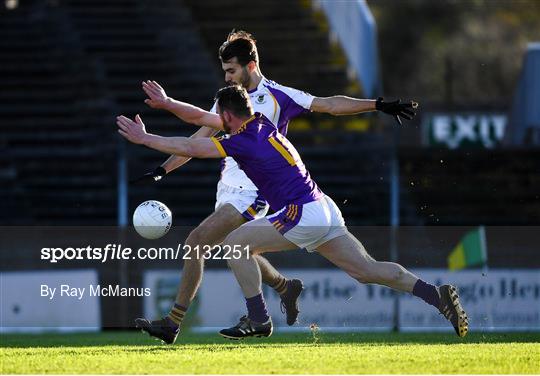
(244, 125)
(259, 86)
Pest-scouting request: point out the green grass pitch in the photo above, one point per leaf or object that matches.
(300, 353)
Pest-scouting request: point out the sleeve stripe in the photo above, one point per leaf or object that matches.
(275, 107)
(281, 150)
(219, 147)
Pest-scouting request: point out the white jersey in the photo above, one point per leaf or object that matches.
(279, 104)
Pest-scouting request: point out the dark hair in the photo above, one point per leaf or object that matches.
(235, 99)
(239, 44)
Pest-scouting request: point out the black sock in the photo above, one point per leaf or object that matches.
(257, 308)
(427, 292)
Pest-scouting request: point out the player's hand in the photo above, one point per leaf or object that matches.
(150, 177)
(133, 131)
(157, 97)
(397, 109)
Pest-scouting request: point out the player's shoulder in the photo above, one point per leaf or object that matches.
(263, 121)
(291, 92)
(256, 128)
(250, 128)
(238, 143)
(269, 84)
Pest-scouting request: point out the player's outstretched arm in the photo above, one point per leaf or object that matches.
(135, 132)
(176, 161)
(173, 162)
(343, 105)
(158, 99)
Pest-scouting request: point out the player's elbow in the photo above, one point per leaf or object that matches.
(336, 106)
(334, 111)
(196, 151)
(191, 150)
(198, 155)
(325, 105)
(182, 148)
(197, 120)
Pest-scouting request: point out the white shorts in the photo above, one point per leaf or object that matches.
(310, 225)
(247, 202)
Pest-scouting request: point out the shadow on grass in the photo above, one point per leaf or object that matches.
(205, 341)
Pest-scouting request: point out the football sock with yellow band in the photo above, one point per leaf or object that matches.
(280, 285)
(176, 315)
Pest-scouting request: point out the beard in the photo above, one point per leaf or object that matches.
(245, 79)
(226, 127)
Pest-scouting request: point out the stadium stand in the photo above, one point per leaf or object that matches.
(55, 152)
(165, 49)
(68, 70)
(70, 67)
(293, 48)
(472, 187)
(73, 66)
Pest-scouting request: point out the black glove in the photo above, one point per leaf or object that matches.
(397, 109)
(150, 177)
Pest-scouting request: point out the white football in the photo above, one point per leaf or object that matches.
(152, 219)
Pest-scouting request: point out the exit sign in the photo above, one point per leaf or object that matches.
(455, 130)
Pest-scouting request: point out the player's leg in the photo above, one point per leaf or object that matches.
(253, 238)
(349, 254)
(289, 290)
(211, 231)
(252, 206)
(295, 226)
(270, 276)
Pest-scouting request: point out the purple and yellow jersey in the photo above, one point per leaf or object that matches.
(279, 104)
(271, 162)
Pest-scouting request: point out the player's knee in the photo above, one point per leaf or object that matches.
(193, 260)
(195, 241)
(363, 276)
(397, 273)
(195, 237)
(390, 273)
(235, 238)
